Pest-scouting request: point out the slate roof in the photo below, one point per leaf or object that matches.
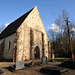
(11, 28)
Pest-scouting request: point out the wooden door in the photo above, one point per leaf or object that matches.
(37, 53)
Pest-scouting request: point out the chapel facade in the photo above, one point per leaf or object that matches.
(25, 38)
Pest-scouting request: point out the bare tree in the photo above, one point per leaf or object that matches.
(60, 40)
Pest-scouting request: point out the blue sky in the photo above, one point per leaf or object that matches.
(49, 10)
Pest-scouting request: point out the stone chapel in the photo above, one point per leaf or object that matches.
(25, 38)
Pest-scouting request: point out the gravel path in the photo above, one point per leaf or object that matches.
(32, 70)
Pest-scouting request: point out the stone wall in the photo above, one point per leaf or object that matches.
(23, 42)
(37, 41)
(34, 21)
(8, 51)
(23, 36)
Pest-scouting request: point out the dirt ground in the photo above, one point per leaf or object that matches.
(32, 70)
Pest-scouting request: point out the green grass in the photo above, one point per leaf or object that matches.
(26, 60)
(37, 63)
(60, 60)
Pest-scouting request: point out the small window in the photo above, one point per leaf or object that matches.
(9, 44)
(0, 46)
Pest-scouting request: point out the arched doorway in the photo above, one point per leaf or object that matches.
(37, 52)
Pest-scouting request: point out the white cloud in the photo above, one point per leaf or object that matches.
(73, 29)
(2, 27)
(54, 28)
(7, 24)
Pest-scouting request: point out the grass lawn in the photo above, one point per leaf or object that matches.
(60, 59)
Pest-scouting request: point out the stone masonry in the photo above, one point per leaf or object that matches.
(27, 37)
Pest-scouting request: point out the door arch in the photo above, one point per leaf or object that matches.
(37, 52)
